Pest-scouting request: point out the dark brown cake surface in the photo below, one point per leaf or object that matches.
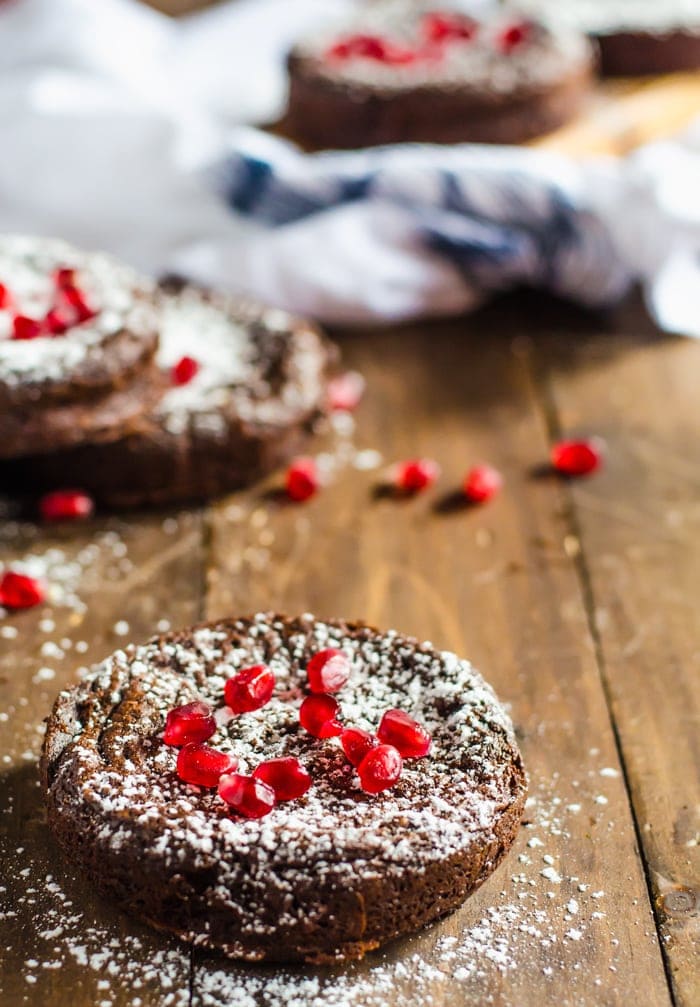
(403, 71)
(89, 373)
(325, 877)
(260, 381)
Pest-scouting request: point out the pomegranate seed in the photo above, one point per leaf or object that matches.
(75, 299)
(66, 505)
(328, 670)
(184, 370)
(55, 323)
(577, 458)
(25, 328)
(406, 735)
(192, 722)
(370, 47)
(18, 590)
(202, 765)
(249, 797)
(513, 36)
(357, 743)
(481, 483)
(64, 277)
(380, 769)
(416, 475)
(302, 479)
(250, 689)
(318, 716)
(346, 391)
(447, 27)
(5, 297)
(287, 778)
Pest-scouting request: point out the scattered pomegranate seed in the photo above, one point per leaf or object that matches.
(75, 299)
(444, 27)
(357, 743)
(249, 797)
(66, 505)
(25, 328)
(380, 769)
(55, 323)
(64, 277)
(481, 483)
(184, 370)
(410, 739)
(513, 36)
(370, 47)
(287, 778)
(416, 475)
(345, 391)
(302, 479)
(577, 458)
(18, 590)
(328, 670)
(192, 722)
(5, 297)
(202, 765)
(250, 689)
(318, 716)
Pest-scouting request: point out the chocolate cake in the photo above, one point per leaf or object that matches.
(635, 37)
(315, 873)
(245, 384)
(78, 336)
(415, 71)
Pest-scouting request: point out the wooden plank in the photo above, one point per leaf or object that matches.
(639, 523)
(113, 582)
(494, 583)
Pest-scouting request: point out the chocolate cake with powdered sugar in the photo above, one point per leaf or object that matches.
(419, 71)
(328, 869)
(78, 336)
(245, 383)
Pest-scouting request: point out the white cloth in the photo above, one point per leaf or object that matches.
(127, 131)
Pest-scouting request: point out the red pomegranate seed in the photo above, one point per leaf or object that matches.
(66, 505)
(328, 670)
(380, 769)
(287, 778)
(346, 391)
(416, 475)
(577, 458)
(75, 299)
(318, 716)
(184, 370)
(18, 590)
(64, 277)
(302, 479)
(513, 36)
(5, 297)
(357, 743)
(405, 734)
(249, 797)
(481, 483)
(192, 722)
(55, 323)
(250, 689)
(202, 765)
(443, 27)
(370, 47)
(25, 328)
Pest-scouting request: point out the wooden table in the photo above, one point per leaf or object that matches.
(578, 601)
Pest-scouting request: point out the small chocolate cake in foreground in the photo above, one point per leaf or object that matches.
(245, 385)
(78, 336)
(352, 785)
(406, 71)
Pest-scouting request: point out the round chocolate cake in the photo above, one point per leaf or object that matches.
(297, 846)
(635, 37)
(413, 71)
(245, 384)
(78, 336)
